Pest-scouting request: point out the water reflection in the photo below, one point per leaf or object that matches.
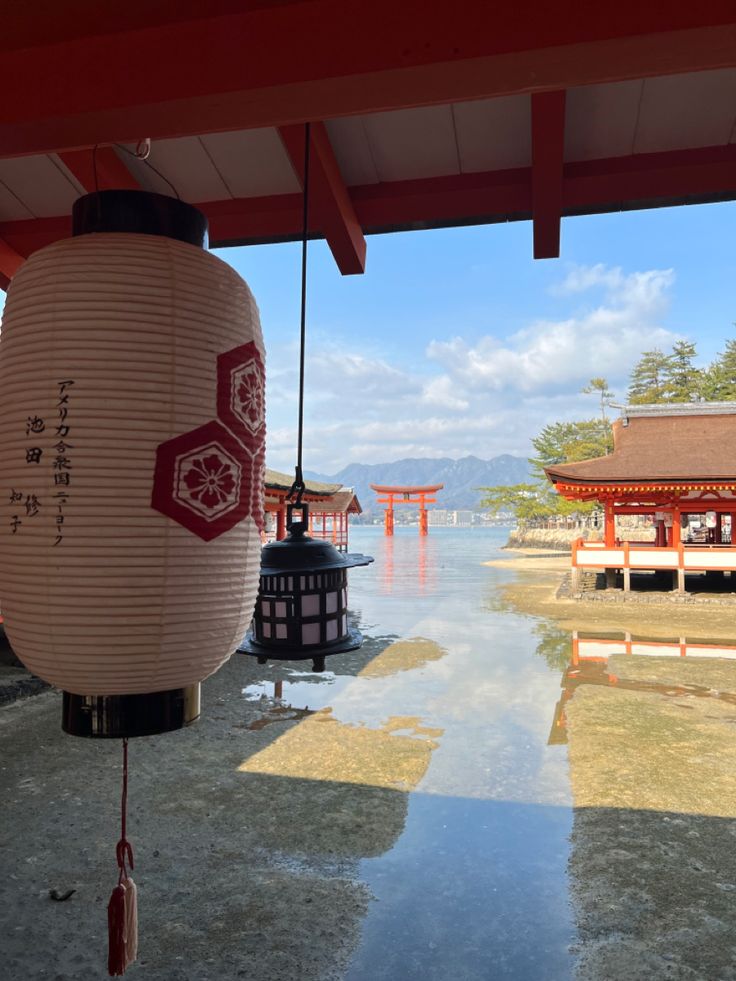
(416, 566)
(424, 761)
(650, 726)
(357, 756)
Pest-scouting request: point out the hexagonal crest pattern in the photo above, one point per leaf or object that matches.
(205, 481)
(241, 402)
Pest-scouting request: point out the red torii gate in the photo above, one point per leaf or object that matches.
(406, 495)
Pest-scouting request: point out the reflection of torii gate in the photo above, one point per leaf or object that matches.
(406, 495)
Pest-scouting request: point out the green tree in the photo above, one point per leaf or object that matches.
(560, 442)
(683, 382)
(599, 386)
(647, 379)
(524, 501)
(719, 380)
(569, 442)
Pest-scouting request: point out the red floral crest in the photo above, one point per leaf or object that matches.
(211, 478)
(241, 399)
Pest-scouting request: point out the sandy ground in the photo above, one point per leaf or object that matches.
(248, 829)
(534, 588)
(653, 861)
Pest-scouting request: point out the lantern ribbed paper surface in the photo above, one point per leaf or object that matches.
(131, 457)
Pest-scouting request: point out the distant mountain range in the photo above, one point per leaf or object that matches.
(460, 477)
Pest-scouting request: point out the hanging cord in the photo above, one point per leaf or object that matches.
(142, 152)
(122, 910)
(298, 488)
(123, 850)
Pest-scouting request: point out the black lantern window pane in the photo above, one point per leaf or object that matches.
(281, 631)
(331, 602)
(266, 608)
(266, 631)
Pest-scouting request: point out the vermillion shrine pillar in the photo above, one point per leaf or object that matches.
(423, 529)
(406, 495)
(388, 524)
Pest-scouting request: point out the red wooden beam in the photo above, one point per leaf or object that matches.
(620, 183)
(94, 80)
(330, 203)
(10, 263)
(99, 169)
(548, 145)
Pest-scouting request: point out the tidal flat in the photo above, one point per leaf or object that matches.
(479, 792)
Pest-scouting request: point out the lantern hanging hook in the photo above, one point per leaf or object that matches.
(297, 488)
(142, 152)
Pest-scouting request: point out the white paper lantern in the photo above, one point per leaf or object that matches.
(132, 442)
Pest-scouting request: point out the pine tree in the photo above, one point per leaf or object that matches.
(719, 381)
(646, 383)
(683, 382)
(569, 442)
(599, 386)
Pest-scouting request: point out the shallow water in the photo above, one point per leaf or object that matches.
(474, 884)
(563, 803)
(474, 794)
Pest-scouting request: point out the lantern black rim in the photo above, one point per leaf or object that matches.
(352, 640)
(127, 716)
(140, 213)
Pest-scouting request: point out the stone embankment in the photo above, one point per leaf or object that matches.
(559, 539)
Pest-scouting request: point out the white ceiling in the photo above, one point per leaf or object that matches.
(618, 119)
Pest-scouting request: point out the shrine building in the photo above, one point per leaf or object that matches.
(675, 463)
(329, 508)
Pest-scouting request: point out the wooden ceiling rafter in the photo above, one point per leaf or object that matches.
(644, 180)
(331, 207)
(548, 148)
(99, 169)
(10, 263)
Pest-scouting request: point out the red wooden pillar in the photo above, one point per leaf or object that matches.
(676, 528)
(610, 524)
(281, 523)
(389, 517)
(422, 516)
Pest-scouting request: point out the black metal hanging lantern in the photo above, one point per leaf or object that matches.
(301, 610)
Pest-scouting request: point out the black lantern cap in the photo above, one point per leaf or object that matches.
(298, 553)
(140, 213)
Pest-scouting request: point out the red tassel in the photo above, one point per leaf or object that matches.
(116, 960)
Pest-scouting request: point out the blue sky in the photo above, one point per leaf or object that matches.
(456, 342)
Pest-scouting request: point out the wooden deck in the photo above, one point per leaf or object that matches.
(645, 556)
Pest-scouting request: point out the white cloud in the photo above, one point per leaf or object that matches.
(484, 397)
(549, 355)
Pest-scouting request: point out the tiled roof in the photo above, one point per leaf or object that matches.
(686, 444)
(275, 480)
